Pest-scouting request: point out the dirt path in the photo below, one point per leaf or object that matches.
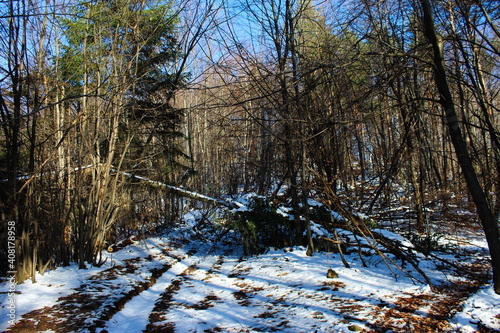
(254, 305)
(98, 298)
(190, 291)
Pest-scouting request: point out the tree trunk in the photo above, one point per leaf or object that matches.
(485, 213)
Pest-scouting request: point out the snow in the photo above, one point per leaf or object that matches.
(483, 307)
(393, 236)
(283, 211)
(215, 288)
(318, 230)
(48, 288)
(314, 203)
(337, 216)
(135, 314)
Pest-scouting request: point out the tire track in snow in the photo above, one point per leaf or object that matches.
(238, 296)
(158, 320)
(191, 297)
(134, 317)
(98, 298)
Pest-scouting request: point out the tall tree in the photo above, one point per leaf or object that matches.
(117, 58)
(485, 212)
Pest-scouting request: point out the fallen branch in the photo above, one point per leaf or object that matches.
(357, 226)
(177, 190)
(183, 192)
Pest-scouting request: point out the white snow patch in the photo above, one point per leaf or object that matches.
(482, 308)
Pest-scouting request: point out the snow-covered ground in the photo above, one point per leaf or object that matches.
(176, 283)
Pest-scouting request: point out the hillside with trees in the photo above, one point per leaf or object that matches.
(292, 123)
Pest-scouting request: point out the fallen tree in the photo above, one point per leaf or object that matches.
(250, 221)
(184, 192)
(255, 222)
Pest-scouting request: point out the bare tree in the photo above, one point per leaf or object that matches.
(484, 210)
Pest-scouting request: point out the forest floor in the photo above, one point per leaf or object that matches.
(192, 280)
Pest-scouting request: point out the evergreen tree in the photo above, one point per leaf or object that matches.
(118, 61)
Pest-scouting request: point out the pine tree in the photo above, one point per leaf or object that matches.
(117, 61)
